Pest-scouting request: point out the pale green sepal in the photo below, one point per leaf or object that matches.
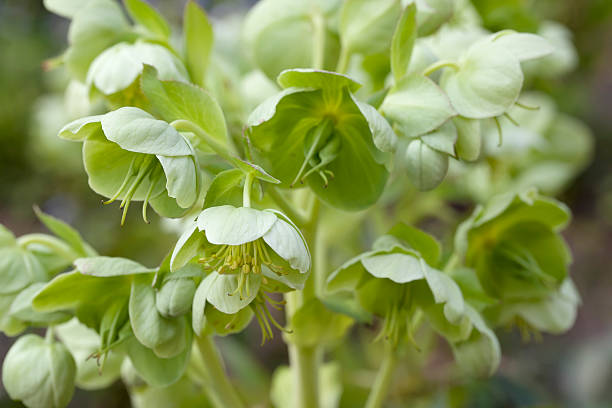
(105, 266)
(308, 78)
(39, 373)
(227, 225)
(289, 245)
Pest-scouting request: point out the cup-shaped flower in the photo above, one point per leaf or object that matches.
(131, 156)
(395, 281)
(247, 253)
(488, 78)
(514, 245)
(315, 131)
(39, 372)
(397, 266)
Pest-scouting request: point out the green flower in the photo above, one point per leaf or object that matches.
(514, 245)
(131, 156)
(39, 372)
(399, 266)
(315, 131)
(247, 252)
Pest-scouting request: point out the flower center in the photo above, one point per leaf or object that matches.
(140, 167)
(242, 260)
(321, 148)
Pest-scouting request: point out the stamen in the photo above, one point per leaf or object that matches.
(124, 184)
(499, 132)
(144, 169)
(153, 179)
(321, 131)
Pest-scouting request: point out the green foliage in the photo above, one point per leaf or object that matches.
(371, 99)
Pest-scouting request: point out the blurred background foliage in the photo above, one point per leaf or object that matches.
(573, 370)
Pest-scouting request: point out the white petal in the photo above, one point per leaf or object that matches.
(228, 225)
(287, 242)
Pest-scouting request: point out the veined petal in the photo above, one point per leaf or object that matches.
(222, 293)
(228, 225)
(289, 245)
(186, 247)
(400, 268)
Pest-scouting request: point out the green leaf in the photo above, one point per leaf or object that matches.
(65, 232)
(173, 100)
(120, 65)
(487, 83)
(417, 105)
(166, 337)
(39, 373)
(145, 15)
(198, 39)
(426, 245)
(21, 308)
(426, 167)
(228, 225)
(308, 78)
(366, 26)
(403, 42)
(259, 173)
(469, 139)
(6, 237)
(105, 266)
(18, 269)
(225, 189)
(157, 371)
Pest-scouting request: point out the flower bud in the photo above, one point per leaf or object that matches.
(175, 297)
(38, 372)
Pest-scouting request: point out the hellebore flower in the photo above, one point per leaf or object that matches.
(131, 156)
(315, 131)
(399, 268)
(246, 253)
(514, 245)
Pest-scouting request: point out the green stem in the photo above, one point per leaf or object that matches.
(305, 361)
(438, 65)
(318, 51)
(452, 262)
(183, 125)
(55, 244)
(343, 60)
(246, 192)
(286, 207)
(380, 389)
(50, 335)
(223, 391)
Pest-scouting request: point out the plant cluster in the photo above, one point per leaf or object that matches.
(284, 167)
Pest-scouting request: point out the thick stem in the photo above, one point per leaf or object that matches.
(380, 389)
(183, 125)
(343, 60)
(452, 262)
(318, 50)
(224, 393)
(56, 245)
(305, 361)
(246, 192)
